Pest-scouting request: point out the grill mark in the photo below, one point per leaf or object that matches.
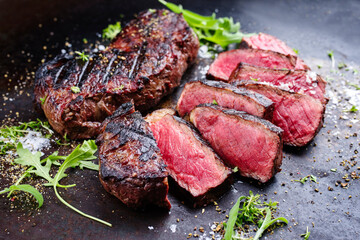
(140, 54)
(58, 74)
(81, 79)
(63, 77)
(105, 78)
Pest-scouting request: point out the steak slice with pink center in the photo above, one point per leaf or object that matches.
(226, 62)
(224, 94)
(190, 161)
(267, 42)
(252, 144)
(299, 81)
(300, 116)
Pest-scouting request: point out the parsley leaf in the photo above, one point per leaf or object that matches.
(296, 51)
(222, 31)
(214, 102)
(111, 31)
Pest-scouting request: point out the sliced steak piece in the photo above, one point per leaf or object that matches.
(300, 116)
(190, 161)
(144, 63)
(252, 144)
(226, 62)
(131, 166)
(300, 81)
(267, 42)
(224, 94)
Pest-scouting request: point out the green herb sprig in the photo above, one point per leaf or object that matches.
(353, 109)
(82, 56)
(222, 31)
(80, 157)
(312, 178)
(246, 210)
(331, 56)
(9, 136)
(111, 31)
(75, 89)
(306, 235)
(354, 85)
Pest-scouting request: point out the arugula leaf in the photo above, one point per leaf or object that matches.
(246, 210)
(80, 157)
(26, 188)
(306, 235)
(111, 31)
(81, 153)
(232, 219)
(222, 31)
(267, 223)
(26, 158)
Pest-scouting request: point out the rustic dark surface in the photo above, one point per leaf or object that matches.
(313, 27)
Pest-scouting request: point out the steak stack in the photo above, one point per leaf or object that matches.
(268, 66)
(144, 63)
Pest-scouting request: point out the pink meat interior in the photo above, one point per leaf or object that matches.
(193, 165)
(197, 93)
(226, 62)
(246, 145)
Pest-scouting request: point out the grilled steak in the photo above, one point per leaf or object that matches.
(267, 42)
(299, 81)
(252, 144)
(300, 116)
(226, 62)
(225, 95)
(145, 62)
(131, 166)
(190, 161)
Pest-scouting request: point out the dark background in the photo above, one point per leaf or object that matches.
(313, 27)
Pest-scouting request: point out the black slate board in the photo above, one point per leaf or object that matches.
(313, 27)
